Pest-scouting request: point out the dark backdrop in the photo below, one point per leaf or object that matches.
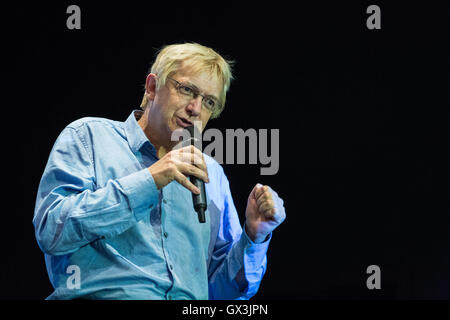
(363, 120)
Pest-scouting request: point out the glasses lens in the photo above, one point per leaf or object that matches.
(190, 93)
(209, 103)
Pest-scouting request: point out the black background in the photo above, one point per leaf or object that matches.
(363, 119)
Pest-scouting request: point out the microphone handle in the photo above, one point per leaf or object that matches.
(199, 200)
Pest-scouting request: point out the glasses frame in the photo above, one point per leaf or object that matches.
(196, 93)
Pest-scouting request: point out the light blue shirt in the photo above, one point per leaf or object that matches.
(98, 209)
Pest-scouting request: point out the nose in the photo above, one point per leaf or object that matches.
(194, 108)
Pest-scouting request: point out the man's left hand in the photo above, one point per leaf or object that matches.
(265, 212)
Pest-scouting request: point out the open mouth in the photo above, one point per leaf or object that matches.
(182, 122)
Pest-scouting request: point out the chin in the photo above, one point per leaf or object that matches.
(173, 125)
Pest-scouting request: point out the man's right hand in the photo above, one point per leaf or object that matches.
(177, 165)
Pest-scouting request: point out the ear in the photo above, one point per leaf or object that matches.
(150, 86)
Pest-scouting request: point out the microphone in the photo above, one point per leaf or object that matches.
(199, 200)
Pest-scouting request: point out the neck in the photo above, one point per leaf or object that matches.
(161, 148)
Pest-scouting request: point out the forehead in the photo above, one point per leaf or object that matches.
(205, 81)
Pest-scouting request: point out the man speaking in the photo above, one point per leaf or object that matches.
(115, 201)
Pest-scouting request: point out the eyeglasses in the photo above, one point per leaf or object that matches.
(209, 102)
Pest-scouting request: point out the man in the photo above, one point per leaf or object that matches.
(114, 213)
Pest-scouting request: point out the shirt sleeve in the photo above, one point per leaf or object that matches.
(237, 263)
(71, 211)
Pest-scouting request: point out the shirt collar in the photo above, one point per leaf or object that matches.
(135, 135)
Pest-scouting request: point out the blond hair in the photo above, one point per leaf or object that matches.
(200, 58)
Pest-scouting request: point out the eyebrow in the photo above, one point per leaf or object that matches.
(198, 90)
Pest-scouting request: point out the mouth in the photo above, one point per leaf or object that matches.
(182, 122)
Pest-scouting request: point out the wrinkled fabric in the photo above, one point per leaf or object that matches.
(98, 209)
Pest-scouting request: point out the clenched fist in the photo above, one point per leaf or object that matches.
(265, 212)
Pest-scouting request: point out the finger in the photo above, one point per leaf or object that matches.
(191, 170)
(270, 213)
(264, 194)
(263, 198)
(197, 151)
(184, 153)
(253, 192)
(191, 149)
(193, 155)
(266, 207)
(275, 197)
(273, 192)
(193, 159)
(259, 190)
(184, 181)
(278, 212)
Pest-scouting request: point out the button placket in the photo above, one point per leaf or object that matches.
(165, 235)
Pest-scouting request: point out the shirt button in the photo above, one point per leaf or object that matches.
(170, 267)
(165, 201)
(165, 234)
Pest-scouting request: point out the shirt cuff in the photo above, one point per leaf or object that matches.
(267, 239)
(141, 192)
(249, 257)
(253, 247)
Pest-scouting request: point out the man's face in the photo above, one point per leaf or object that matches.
(171, 110)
